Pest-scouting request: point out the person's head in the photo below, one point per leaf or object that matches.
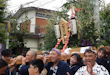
(108, 50)
(101, 53)
(6, 55)
(45, 53)
(45, 57)
(3, 66)
(30, 55)
(75, 58)
(55, 55)
(24, 53)
(84, 62)
(36, 66)
(39, 52)
(90, 56)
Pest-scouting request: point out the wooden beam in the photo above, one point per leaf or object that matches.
(49, 60)
(74, 50)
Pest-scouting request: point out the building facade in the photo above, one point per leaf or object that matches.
(36, 19)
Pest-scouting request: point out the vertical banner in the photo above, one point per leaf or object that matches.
(2, 47)
(9, 26)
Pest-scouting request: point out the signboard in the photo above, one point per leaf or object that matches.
(64, 30)
(2, 47)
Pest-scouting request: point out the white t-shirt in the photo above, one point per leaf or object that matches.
(97, 69)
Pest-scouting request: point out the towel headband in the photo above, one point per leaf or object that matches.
(54, 49)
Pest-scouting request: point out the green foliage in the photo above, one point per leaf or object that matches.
(3, 4)
(85, 23)
(18, 33)
(50, 36)
(2, 33)
(105, 18)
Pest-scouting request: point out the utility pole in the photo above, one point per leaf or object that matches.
(96, 15)
(7, 41)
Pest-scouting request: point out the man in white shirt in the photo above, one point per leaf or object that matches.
(92, 68)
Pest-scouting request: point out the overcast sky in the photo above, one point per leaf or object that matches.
(47, 4)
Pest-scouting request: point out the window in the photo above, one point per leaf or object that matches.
(42, 15)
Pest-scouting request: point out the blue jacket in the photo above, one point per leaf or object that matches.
(7, 71)
(102, 61)
(24, 70)
(62, 68)
(108, 65)
(75, 67)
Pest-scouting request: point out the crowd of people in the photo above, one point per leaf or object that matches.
(92, 63)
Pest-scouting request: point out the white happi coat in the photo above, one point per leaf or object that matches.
(97, 69)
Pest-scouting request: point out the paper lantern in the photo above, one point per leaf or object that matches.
(73, 26)
(57, 31)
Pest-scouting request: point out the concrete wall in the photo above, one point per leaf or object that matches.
(33, 43)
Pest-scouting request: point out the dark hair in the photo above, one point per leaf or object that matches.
(2, 63)
(103, 49)
(38, 63)
(89, 51)
(45, 53)
(6, 52)
(77, 55)
(24, 53)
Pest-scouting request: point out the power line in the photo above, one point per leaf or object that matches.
(30, 2)
(23, 4)
(33, 2)
(46, 3)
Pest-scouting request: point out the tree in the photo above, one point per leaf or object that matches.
(2, 33)
(105, 18)
(18, 33)
(50, 34)
(85, 22)
(3, 4)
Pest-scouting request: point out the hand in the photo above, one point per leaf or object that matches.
(45, 59)
(14, 62)
(65, 56)
(68, 73)
(39, 56)
(24, 60)
(19, 57)
(89, 68)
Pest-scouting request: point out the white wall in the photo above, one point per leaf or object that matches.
(32, 43)
(31, 16)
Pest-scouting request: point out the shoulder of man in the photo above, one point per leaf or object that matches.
(49, 64)
(23, 66)
(81, 70)
(102, 69)
(63, 64)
